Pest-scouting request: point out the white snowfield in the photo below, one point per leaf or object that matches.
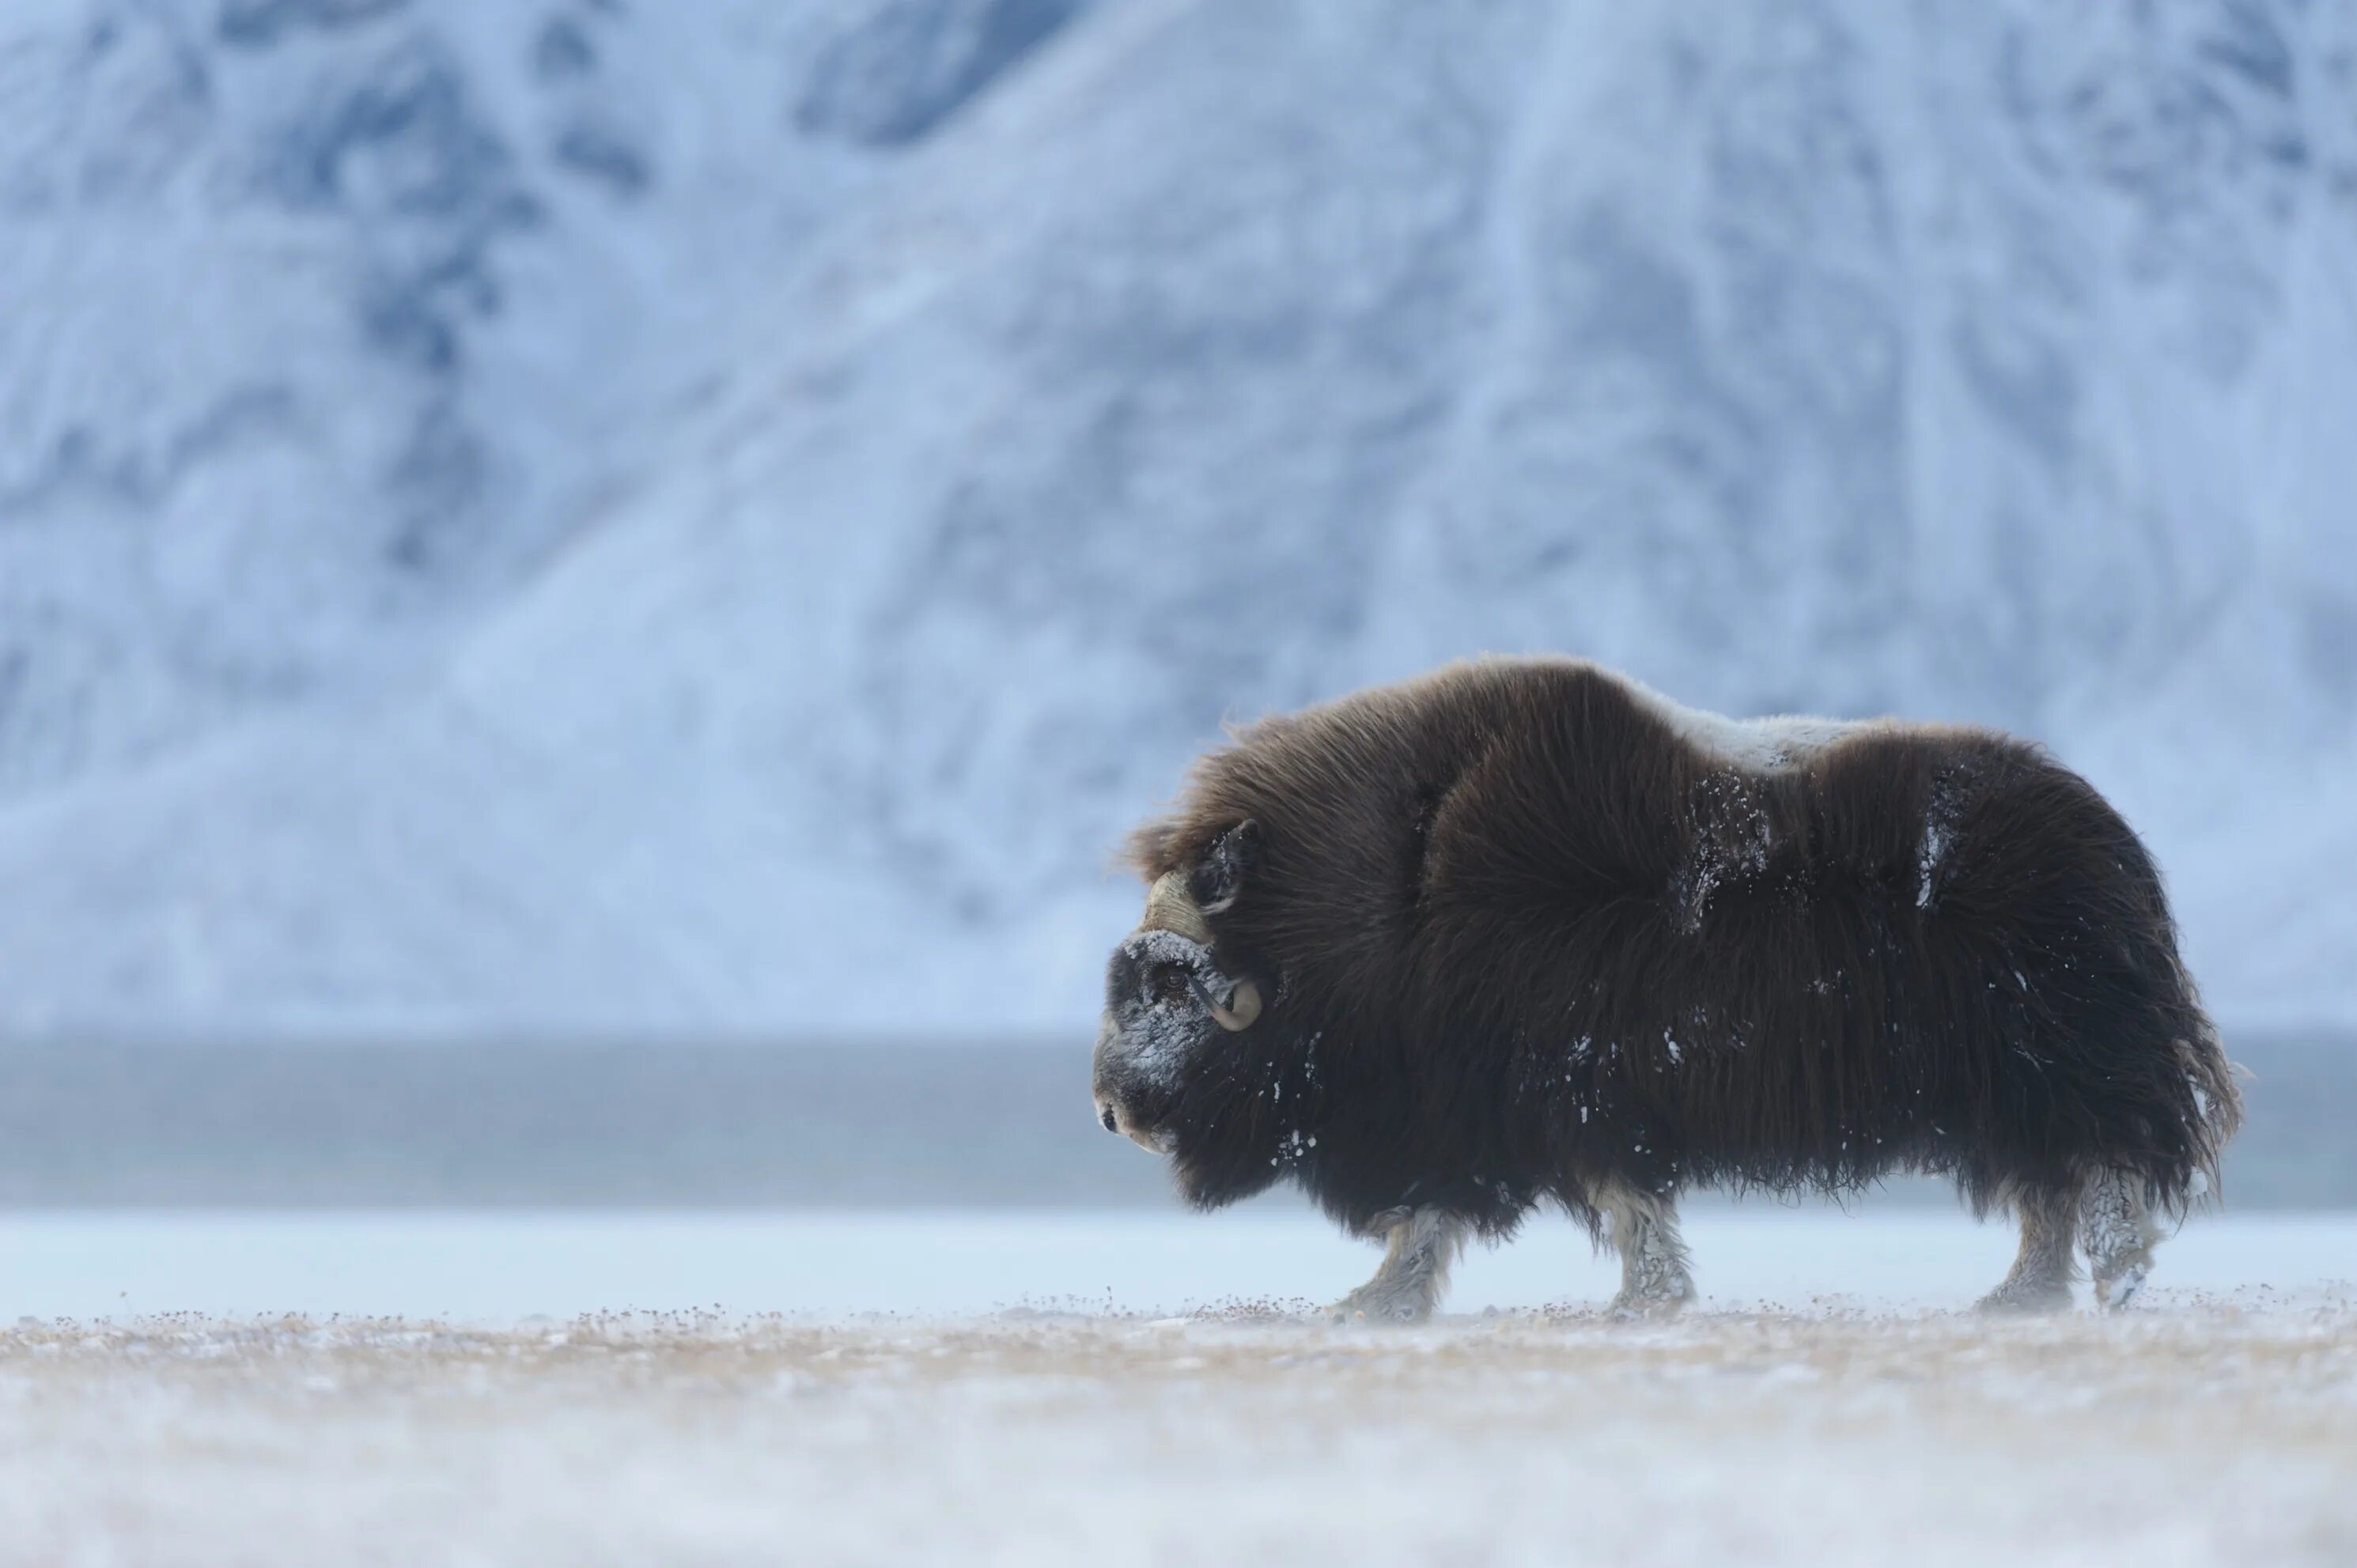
(1780, 1423)
(522, 519)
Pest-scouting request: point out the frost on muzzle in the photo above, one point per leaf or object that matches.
(1165, 998)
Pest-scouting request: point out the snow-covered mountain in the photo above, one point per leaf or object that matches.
(552, 515)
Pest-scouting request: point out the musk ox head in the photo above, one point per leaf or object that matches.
(1177, 1000)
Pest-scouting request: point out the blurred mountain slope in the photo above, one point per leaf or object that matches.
(574, 517)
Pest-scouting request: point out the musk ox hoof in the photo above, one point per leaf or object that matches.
(1626, 1308)
(1383, 1309)
(2115, 1293)
(2021, 1298)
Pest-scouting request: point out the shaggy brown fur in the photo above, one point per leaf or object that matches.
(1527, 935)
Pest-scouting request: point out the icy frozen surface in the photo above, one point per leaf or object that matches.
(1780, 1423)
(492, 1268)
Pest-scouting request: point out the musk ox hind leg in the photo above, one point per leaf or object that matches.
(2118, 1231)
(2042, 1270)
(1644, 1229)
(1420, 1249)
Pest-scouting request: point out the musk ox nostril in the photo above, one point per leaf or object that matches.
(1104, 1114)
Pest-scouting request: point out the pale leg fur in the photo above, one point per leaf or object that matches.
(2117, 1232)
(2042, 1270)
(1415, 1271)
(1655, 1281)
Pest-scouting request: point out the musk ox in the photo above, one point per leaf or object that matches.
(1523, 931)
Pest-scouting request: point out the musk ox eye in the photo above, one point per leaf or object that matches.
(1170, 984)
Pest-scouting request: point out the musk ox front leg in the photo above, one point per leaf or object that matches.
(2039, 1280)
(1655, 1281)
(1407, 1288)
(2118, 1231)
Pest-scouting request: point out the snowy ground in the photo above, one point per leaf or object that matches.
(1783, 1422)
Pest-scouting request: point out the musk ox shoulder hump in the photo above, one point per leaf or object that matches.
(1759, 744)
(1393, 740)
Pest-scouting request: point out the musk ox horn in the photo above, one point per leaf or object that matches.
(1243, 1007)
(1170, 908)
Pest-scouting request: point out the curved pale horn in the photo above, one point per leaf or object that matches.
(1168, 907)
(1243, 1007)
